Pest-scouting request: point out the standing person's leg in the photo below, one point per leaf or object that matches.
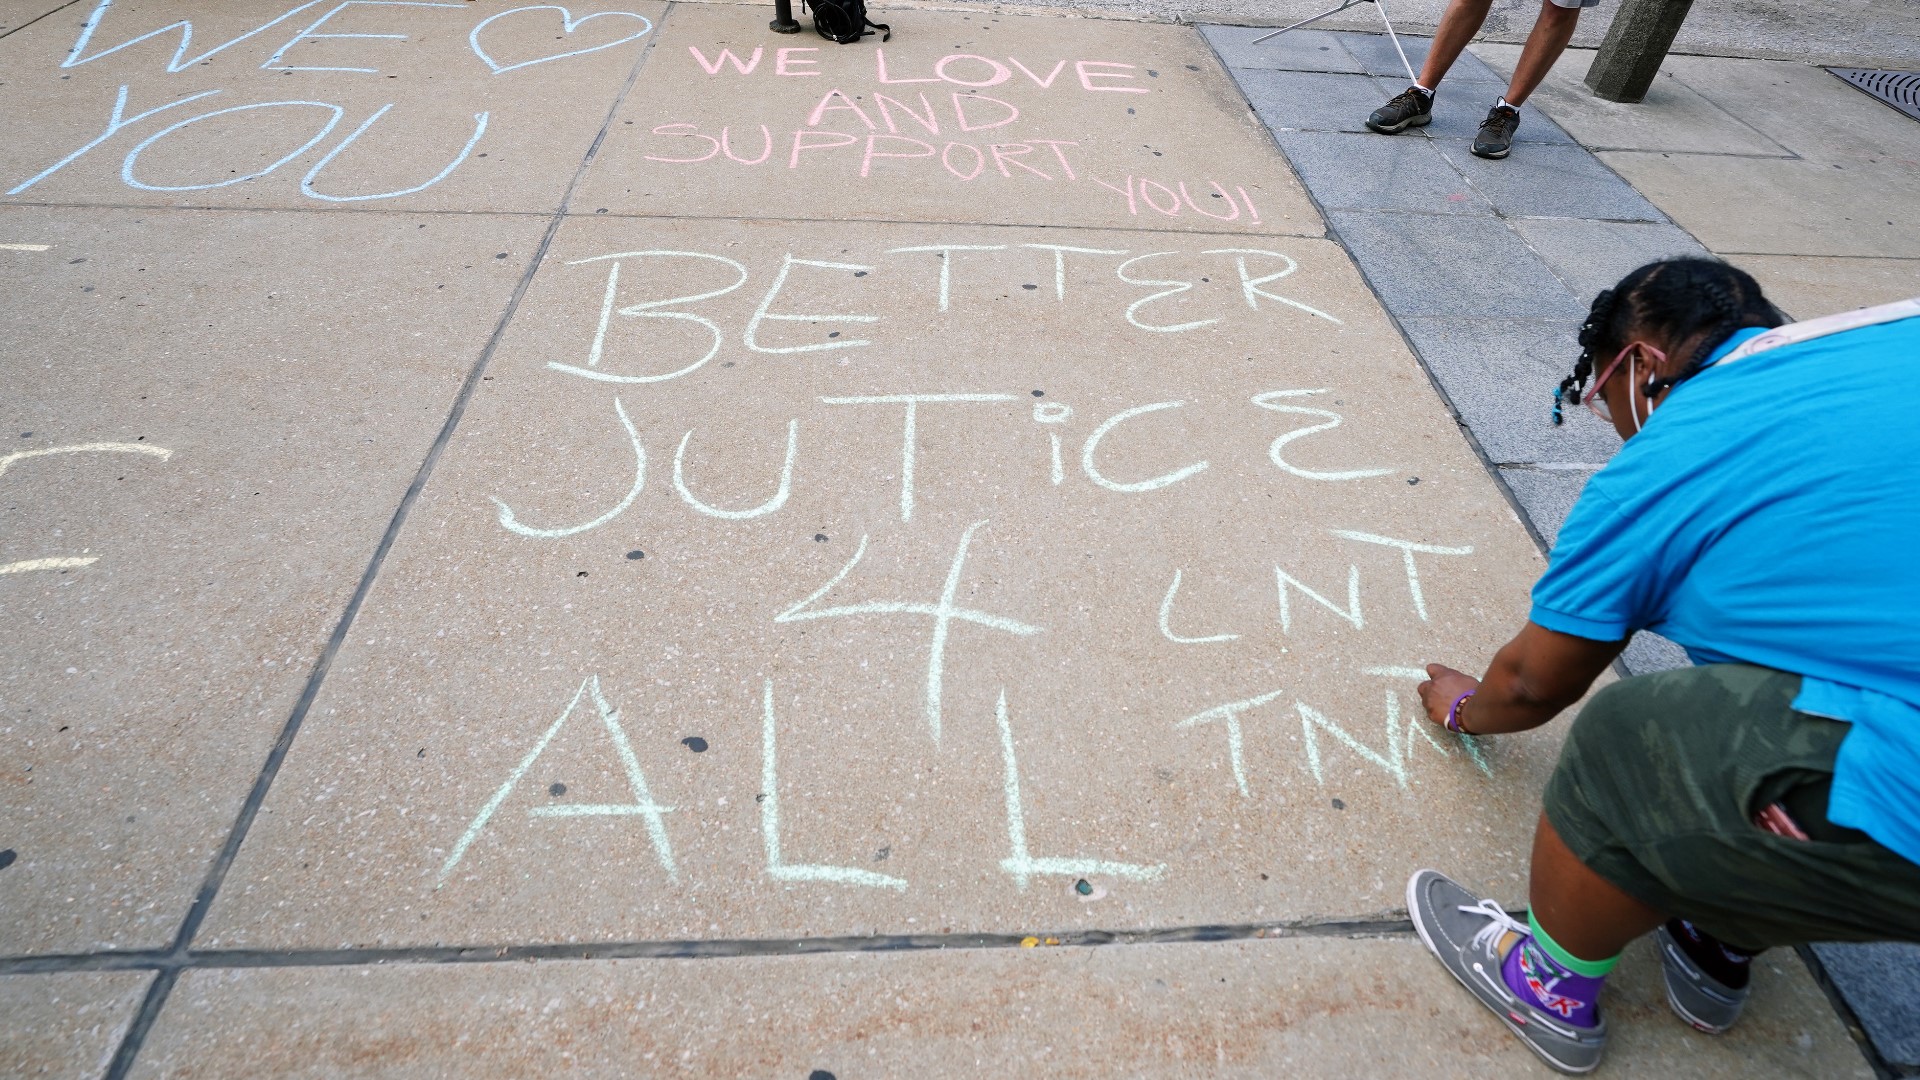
(1551, 33)
(1458, 24)
(1413, 107)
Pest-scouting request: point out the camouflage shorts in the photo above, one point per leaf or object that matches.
(1656, 791)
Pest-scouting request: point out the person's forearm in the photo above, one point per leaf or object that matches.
(1506, 702)
(1535, 676)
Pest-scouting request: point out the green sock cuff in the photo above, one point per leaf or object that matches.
(1592, 969)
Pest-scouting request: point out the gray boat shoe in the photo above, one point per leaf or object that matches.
(1465, 931)
(1697, 997)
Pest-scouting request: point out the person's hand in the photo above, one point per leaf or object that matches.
(1442, 688)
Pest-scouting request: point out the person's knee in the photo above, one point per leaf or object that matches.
(1552, 14)
(1474, 11)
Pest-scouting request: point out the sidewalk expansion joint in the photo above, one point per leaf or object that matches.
(171, 963)
(178, 957)
(641, 215)
(37, 18)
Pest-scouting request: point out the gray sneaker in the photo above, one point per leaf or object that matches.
(1495, 138)
(1697, 997)
(1465, 932)
(1412, 107)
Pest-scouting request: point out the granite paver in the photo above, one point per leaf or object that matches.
(1305, 49)
(1589, 256)
(1549, 181)
(1453, 267)
(1673, 117)
(1365, 172)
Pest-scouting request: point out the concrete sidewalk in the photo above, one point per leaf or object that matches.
(607, 539)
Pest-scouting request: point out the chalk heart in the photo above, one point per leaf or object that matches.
(567, 23)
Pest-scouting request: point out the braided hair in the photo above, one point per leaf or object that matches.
(1675, 299)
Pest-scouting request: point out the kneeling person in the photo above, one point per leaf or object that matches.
(1760, 514)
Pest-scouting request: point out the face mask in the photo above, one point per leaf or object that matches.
(1598, 404)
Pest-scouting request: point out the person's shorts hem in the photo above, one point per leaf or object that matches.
(1576, 3)
(1655, 790)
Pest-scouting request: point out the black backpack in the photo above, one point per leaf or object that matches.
(844, 21)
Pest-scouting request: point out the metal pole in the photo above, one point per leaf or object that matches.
(1379, 6)
(1308, 19)
(783, 21)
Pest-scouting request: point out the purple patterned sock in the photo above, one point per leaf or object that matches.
(1547, 986)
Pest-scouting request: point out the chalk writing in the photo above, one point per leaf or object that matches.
(642, 805)
(334, 113)
(69, 562)
(944, 252)
(1474, 749)
(180, 62)
(312, 33)
(1166, 614)
(512, 524)
(777, 867)
(910, 438)
(1272, 400)
(116, 120)
(1228, 716)
(1106, 427)
(1407, 548)
(1250, 286)
(763, 313)
(1060, 253)
(1284, 580)
(1393, 759)
(943, 613)
(648, 310)
(567, 22)
(1053, 412)
(779, 496)
(280, 113)
(306, 182)
(1175, 288)
(1022, 865)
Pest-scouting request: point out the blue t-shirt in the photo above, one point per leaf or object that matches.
(1769, 514)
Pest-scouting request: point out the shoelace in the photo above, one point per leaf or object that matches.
(1508, 122)
(1410, 96)
(1498, 922)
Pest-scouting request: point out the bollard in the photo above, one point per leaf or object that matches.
(1638, 40)
(783, 21)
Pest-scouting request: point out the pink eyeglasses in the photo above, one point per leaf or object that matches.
(1592, 396)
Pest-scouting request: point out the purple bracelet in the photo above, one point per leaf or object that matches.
(1453, 714)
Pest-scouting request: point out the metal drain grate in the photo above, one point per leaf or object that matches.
(1900, 89)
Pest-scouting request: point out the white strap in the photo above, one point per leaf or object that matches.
(1795, 333)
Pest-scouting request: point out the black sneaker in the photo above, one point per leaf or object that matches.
(1496, 132)
(1412, 107)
